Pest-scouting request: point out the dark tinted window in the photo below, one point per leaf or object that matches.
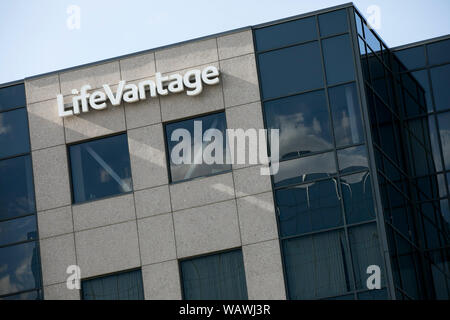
(423, 88)
(17, 230)
(333, 23)
(215, 277)
(439, 52)
(353, 159)
(195, 164)
(123, 286)
(346, 115)
(444, 129)
(14, 138)
(285, 34)
(338, 57)
(30, 295)
(100, 168)
(20, 268)
(412, 58)
(317, 266)
(374, 295)
(16, 187)
(440, 78)
(310, 207)
(303, 122)
(290, 70)
(305, 169)
(357, 194)
(12, 97)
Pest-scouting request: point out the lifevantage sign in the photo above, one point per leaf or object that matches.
(83, 101)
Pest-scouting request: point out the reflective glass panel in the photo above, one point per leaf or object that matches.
(291, 70)
(305, 169)
(19, 268)
(100, 168)
(353, 159)
(12, 97)
(333, 23)
(16, 230)
(440, 78)
(16, 187)
(338, 57)
(439, 52)
(285, 34)
(309, 207)
(303, 122)
(215, 277)
(374, 295)
(317, 266)
(346, 115)
(358, 199)
(183, 133)
(122, 286)
(14, 138)
(444, 130)
(412, 58)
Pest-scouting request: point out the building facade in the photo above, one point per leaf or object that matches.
(363, 180)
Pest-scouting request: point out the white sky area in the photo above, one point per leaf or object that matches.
(35, 36)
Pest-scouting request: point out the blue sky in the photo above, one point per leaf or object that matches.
(35, 37)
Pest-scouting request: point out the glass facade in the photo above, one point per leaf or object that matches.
(20, 271)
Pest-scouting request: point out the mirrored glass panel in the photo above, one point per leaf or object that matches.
(346, 115)
(191, 163)
(122, 286)
(310, 207)
(317, 266)
(333, 23)
(16, 187)
(215, 277)
(30, 295)
(412, 58)
(12, 97)
(14, 137)
(444, 130)
(17, 230)
(358, 198)
(338, 57)
(353, 159)
(303, 121)
(20, 268)
(439, 52)
(440, 78)
(284, 34)
(291, 70)
(100, 168)
(305, 169)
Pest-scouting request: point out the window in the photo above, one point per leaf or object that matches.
(338, 56)
(412, 58)
(317, 266)
(187, 157)
(12, 97)
(444, 130)
(122, 286)
(285, 34)
(215, 277)
(346, 115)
(439, 52)
(16, 187)
(14, 137)
(333, 23)
(440, 78)
(100, 168)
(357, 195)
(303, 121)
(353, 159)
(291, 70)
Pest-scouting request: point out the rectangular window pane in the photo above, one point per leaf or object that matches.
(374, 295)
(20, 269)
(100, 168)
(365, 248)
(30, 295)
(12, 97)
(412, 58)
(309, 207)
(291, 70)
(338, 56)
(285, 34)
(358, 200)
(440, 78)
(16, 230)
(303, 122)
(14, 138)
(215, 277)
(346, 115)
(444, 131)
(16, 187)
(305, 169)
(439, 52)
(353, 159)
(122, 286)
(424, 88)
(317, 266)
(187, 161)
(333, 23)
(436, 153)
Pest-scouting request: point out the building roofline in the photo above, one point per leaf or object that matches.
(421, 42)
